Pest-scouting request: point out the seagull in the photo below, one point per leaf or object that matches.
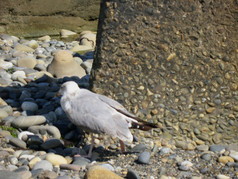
(96, 113)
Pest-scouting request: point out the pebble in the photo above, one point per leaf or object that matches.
(48, 130)
(185, 165)
(225, 159)
(165, 150)
(16, 142)
(27, 62)
(5, 174)
(55, 160)
(206, 156)
(27, 121)
(217, 148)
(51, 143)
(33, 161)
(139, 148)
(144, 157)
(131, 174)
(234, 154)
(43, 164)
(81, 161)
(29, 106)
(222, 177)
(100, 172)
(71, 167)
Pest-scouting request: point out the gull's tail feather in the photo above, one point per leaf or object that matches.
(143, 125)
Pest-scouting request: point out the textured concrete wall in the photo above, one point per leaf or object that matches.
(41, 17)
(173, 63)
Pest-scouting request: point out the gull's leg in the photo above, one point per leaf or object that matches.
(91, 146)
(90, 150)
(122, 146)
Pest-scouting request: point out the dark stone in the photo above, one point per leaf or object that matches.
(131, 174)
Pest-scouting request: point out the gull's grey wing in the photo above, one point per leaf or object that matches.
(137, 123)
(116, 105)
(90, 113)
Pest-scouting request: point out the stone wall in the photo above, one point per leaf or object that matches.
(173, 63)
(40, 17)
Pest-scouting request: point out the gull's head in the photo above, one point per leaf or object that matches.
(69, 87)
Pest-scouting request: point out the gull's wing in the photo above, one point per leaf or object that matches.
(88, 111)
(136, 122)
(117, 106)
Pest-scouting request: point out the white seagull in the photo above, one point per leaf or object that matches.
(99, 114)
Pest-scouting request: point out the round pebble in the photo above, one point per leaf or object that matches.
(144, 157)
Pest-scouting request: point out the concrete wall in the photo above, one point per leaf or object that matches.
(47, 17)
(174, 63)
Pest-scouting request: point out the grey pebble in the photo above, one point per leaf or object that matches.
(139, 148)
(81, 161)
(5, 174)
(13, 160)
(16, 142)
(165, 150)
(206, 156)
(27, 121)
(29, 106)
(202, 147)
(44, 164)
(50, 130)
(185, 165)
(217, 148)
(144, 157)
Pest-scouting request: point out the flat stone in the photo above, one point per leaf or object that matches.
(81, 161)
(71, 167)
(49, 130)
(23, 48)
(65, 33)
(202, 147)
(144, 157)
(222, 177)
(29, 106)
(5, 65)
(206, 156)
(24, 174)
(225, 159)
(18, 74)
(51, 143)
(45, 38)
(3, 114)
(55, 159)
(44, 164)
(16, 142)
(234, 154)
(48, 174)
(217, 148)
(33, 161)
(139, 148)
(165, 150)
(28, 62)
(5, 174)
(185, 165)
(100, 172)
(27, 121)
